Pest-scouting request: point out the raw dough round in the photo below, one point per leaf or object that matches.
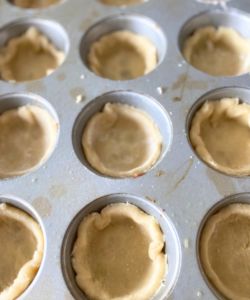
(218, 51)
(34, 3)
(27, 137)
(225, 251)
(121, 2)
(122, 55)
(118, 254)
(28, 57)
(21, 250)
(121, 141)
(220, 134)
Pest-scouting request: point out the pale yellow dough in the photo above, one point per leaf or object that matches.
(218, 51)
(220, 134)
(225, 251)
(21, 249)
(122, 55)
(121, 2)
(35, 3)
(121, 141)
(118, 254)
(29, 56)
(27, 137)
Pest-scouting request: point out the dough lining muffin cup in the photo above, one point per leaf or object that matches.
(241, 198)
(230, 18)
(140, 101)
(243, 93)
(26, 207)
(172, 246)
(50, 29)
(138, 24)
(14, 100)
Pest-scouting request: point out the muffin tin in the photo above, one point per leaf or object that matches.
(180, 184)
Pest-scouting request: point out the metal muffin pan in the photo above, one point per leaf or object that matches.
(140, 101)
(26, 207)
(180, 184)
(172, 243)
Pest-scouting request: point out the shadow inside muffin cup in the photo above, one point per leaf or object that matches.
(241, 198)
(172, 243)
(230, 18)
(26, 207)
(52, 30)
(243, 93)
(15, 100)
(137, 24)
(143, 102)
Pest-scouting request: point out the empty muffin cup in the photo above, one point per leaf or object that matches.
(172, 245)
(28, 133)
(211, 39)
(24, 249)
(218, 130)
(31, 49)
(223, 247)
(122, 134)
(123, 47)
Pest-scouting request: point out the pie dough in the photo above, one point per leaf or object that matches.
(121, 2)
(220, 134)
(118, 254)
(28, 57)
(121, 141)
(122, 55)
(21, 248)
(27, 137)
(225, 251)
(218, 51)
(35, 3)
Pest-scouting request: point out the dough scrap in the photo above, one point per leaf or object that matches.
(121, 141)
(218, 51)
(220, 134)
(29, 56)
(225, 251)
(122, 55)
(27, 137)
(21, 248)
(35, 3)
(118, 254)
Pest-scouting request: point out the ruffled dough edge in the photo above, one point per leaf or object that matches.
(155, 251)
(207, 232)
(29, 270)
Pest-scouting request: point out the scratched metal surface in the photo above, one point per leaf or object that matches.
(183, 186)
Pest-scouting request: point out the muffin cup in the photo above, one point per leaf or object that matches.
(172, 246)
(241, 198)
(26, 207)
